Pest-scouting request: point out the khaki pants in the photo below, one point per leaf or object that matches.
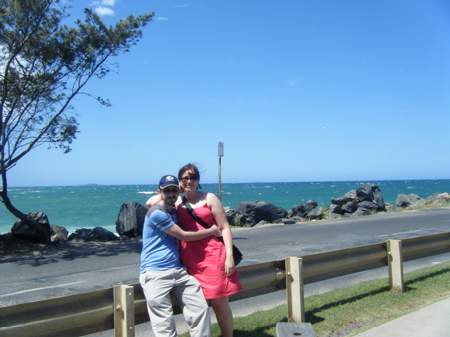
(158, 285)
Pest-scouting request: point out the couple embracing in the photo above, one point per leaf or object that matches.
(173, 241)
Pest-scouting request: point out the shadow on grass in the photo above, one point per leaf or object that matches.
(427, 276)
(34, 254)
(312, 317)
(258, 332)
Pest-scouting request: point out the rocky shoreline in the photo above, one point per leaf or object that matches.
(367, 199)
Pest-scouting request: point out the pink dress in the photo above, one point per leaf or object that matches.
(205, 259)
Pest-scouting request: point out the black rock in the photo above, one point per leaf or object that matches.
(59, 234)
(303, 209)
(235, 218)
(372, 194)
(257, 211)
(404, 200)
(349, 207)
(130, 219)
(98, 234)
(36, 228)
(438, 198)
(350, 196)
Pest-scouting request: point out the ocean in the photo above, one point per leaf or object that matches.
(90, 206)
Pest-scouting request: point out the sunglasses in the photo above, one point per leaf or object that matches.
(193, 178)
(170, 190)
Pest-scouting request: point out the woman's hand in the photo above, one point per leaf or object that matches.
(229, 265)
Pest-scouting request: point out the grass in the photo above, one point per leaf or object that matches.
(351, 310)
(420, 205)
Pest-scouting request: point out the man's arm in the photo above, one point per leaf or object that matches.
(182, 235)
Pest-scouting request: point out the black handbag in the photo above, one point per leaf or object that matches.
(237, 255)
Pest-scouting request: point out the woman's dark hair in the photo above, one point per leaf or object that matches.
(190, 167)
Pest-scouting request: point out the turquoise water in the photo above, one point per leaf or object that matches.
(90, 206)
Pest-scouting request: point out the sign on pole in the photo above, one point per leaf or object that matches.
(220, 149)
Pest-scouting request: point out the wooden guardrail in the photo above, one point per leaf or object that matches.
(121, 307)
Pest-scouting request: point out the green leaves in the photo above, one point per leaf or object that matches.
(44, 64)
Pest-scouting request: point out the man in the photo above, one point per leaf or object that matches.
(162, 272)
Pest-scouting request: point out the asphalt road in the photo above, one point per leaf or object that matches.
(34, 279)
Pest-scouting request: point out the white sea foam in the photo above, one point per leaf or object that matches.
(76, 207)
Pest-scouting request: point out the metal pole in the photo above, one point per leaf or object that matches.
(220, 178)
(220, 153)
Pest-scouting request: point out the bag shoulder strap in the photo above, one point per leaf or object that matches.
(195, 216)
(192, 213)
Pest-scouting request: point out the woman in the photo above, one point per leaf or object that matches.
(209, 260)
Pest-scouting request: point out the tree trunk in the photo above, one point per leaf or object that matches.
(18, 214)
(7, 202)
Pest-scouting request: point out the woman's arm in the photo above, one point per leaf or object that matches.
(221, 220)
(157, 198)
(153, 200)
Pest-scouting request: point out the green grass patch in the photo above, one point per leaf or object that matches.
(351, 310)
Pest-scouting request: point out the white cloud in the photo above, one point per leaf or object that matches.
(103, 3)
(161, 18)
(104, 11)
(100, 9)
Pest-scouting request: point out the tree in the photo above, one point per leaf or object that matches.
(44, 65)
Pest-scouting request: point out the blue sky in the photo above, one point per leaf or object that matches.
(298, 90)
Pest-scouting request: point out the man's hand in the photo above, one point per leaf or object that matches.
(216, 231)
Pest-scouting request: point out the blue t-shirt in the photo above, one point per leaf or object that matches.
(159, 250)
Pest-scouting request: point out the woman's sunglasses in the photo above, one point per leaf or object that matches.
(193, 178)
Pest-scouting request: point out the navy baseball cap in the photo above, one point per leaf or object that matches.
(168, 180)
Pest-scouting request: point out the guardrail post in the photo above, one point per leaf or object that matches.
(294, 290)
(395, 262)
(124, 311)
